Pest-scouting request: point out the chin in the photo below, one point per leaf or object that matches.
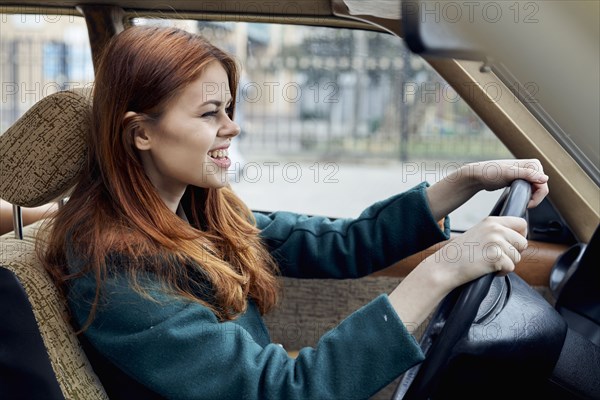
(216, 184)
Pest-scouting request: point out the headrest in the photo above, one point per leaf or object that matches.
(42, 153)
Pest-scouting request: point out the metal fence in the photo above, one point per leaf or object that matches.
(376, 110)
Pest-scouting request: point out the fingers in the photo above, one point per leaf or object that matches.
(493, 245)
(532, 171)
(493, 175)
(505, 254)
(505, 243)
(516, 224)
(501, 256)
(505, 264)
(538, 193)
(510, 248)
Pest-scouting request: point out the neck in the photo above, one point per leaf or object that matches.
(172, 201)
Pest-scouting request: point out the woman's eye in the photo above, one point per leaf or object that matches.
(210, 114)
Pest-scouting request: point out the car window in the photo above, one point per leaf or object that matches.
(41, 54)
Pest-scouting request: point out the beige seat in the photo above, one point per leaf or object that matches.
(40, 156)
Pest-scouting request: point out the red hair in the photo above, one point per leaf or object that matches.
(217, 259)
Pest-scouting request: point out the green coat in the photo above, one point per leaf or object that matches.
(180, 350)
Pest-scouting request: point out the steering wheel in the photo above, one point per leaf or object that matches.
(457, 312)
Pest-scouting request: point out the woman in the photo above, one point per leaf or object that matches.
(167, 272)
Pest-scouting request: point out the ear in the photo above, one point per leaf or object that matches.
(141, 139)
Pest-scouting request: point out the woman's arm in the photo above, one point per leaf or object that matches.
(317, 247)
(455, 189)
(180, 350)
(30, 215)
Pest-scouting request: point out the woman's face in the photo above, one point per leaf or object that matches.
(188, 144)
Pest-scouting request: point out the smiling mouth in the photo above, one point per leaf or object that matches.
(218, 154)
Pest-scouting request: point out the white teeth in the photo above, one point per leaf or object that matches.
(218, 153)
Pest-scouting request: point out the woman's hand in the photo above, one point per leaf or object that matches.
(493, 245)
(30, 215)
(455, 189)
(493, 175)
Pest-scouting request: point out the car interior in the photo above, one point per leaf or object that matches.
(535, 332)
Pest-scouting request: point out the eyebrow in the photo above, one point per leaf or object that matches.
(216, 102)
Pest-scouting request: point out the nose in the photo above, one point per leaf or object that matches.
(229, 129)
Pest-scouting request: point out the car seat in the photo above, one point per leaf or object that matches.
(40, 355)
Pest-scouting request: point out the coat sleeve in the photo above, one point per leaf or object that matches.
(386, 232)
(179, 349)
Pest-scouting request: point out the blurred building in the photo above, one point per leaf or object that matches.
(40, 55)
